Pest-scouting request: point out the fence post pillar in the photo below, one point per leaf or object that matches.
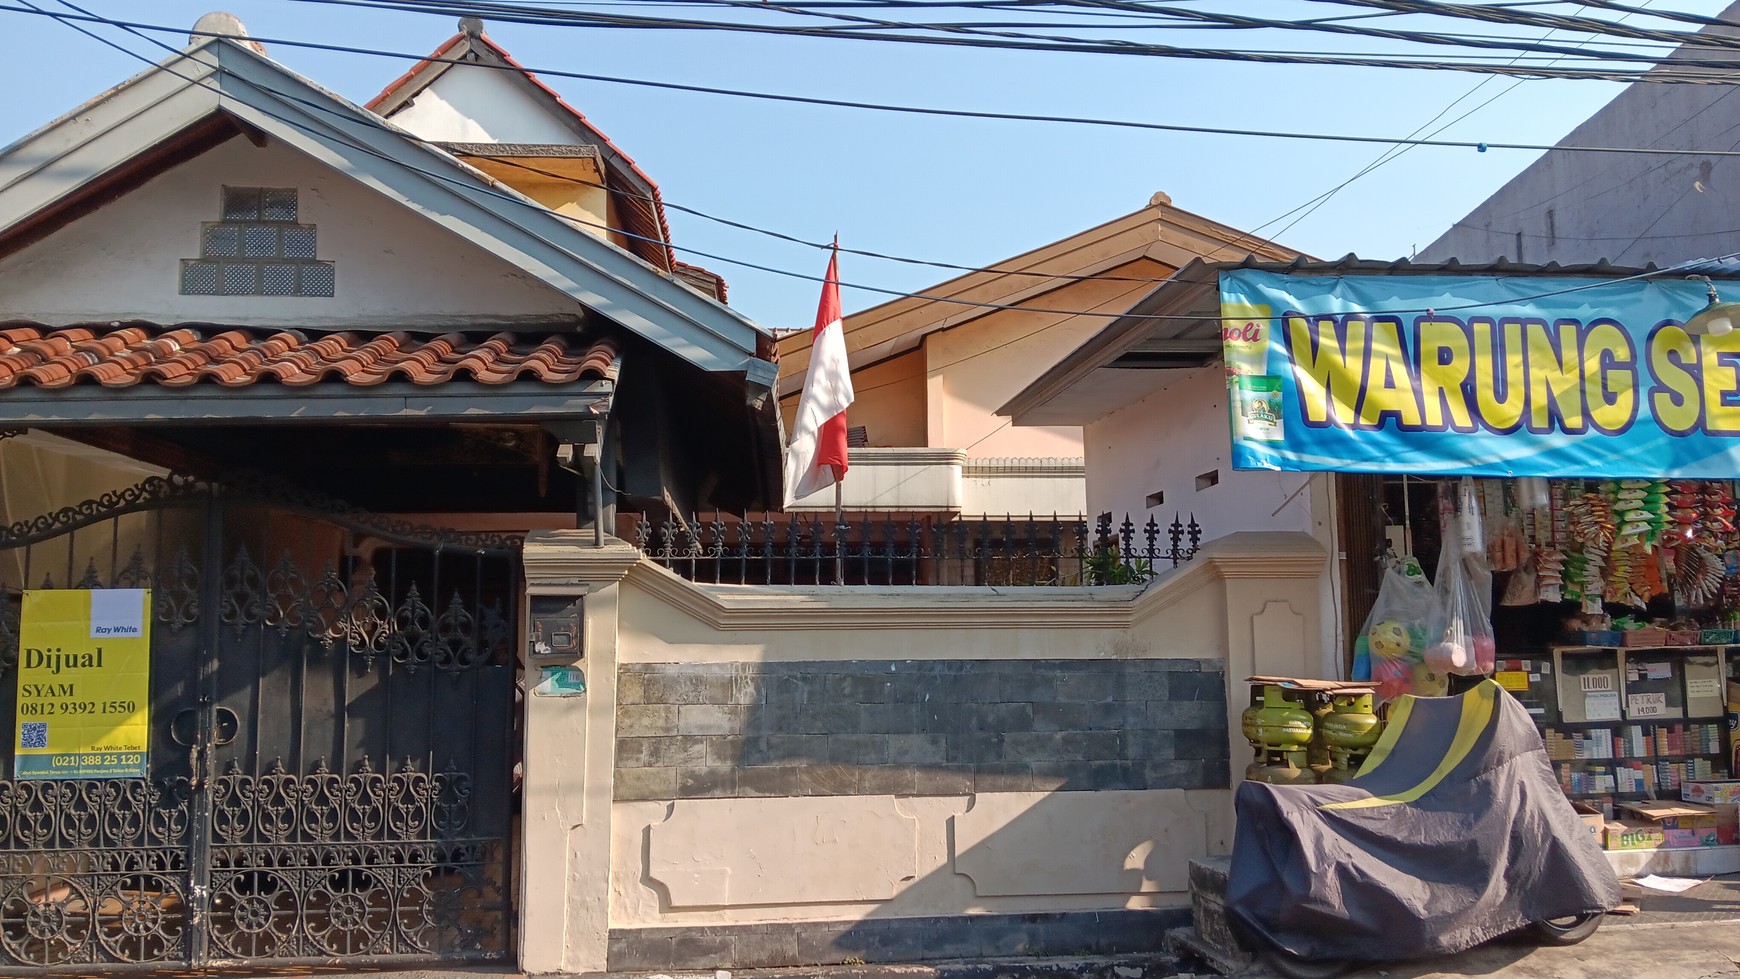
(564, 852)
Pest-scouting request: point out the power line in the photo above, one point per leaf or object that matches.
(522, 201)
(533, 205)
(1394, 153)
(1482, 146)
(517, 13)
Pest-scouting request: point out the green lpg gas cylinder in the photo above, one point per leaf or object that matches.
(1284, 768)
(1248, 720)
(1351, 725)
(1281, 724)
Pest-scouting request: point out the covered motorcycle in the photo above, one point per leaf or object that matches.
(1453, 832)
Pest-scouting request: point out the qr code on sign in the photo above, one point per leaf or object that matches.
(33, 734)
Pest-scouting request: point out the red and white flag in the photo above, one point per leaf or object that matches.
(816, 457)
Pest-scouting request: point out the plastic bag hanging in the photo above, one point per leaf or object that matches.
(1388, 649)
(1463, 642)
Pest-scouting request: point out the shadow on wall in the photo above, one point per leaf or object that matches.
(1024, 783)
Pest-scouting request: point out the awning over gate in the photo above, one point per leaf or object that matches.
(144, 371)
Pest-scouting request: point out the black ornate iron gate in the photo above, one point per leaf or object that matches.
(331, 748)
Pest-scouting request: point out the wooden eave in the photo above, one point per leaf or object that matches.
(1160, 232)
(392, 402)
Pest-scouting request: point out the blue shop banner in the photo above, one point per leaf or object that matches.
(1478, 375)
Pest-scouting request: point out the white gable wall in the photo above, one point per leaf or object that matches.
(1162, 443)
(470, 104)
(394, 268)
(1181, 431)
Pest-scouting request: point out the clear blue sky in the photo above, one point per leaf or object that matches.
(951, 190)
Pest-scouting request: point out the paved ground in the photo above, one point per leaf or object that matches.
(1695, 935)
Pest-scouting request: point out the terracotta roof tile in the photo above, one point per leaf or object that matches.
(123, 355)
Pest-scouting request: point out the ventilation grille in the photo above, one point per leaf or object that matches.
(257, 249)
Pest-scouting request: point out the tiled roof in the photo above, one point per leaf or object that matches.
(125, 354)
(659, 244)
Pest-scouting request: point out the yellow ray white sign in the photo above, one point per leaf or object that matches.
(84, 683)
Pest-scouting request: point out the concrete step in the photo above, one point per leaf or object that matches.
(1150, 966)
(1212, 939)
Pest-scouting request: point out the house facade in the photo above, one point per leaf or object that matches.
(349, 416)
(288, 385)
(929, 370)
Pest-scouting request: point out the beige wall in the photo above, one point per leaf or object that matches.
(393, 266)
(944, 394)
(591, 864)
(890, 402)
(974, 369)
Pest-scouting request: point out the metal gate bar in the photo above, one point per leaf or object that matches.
(287, 817)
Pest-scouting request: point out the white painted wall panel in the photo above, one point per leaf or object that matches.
(1162, 443)
(469, 104)
(394, 268)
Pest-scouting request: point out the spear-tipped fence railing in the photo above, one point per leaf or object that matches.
(776, 549)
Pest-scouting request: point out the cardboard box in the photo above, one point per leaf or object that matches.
(1592, 818)
(1672, 815)
(1633, 835)
(1684, 839)
(1725, 792)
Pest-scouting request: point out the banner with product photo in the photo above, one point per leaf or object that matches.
(84, 684)
(1478, 375)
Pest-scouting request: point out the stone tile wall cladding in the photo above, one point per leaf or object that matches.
(918, 727)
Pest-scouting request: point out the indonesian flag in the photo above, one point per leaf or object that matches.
(816, 457)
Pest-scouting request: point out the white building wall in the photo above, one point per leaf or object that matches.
(1165, 442)
(1632, 209)
(481, 105)
(394, 268)
(1169, 442)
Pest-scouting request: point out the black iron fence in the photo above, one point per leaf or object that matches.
(778, 549)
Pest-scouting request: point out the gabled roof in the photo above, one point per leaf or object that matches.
(1159, 232)
(1177, 326)
(218, 88)
(643, 208)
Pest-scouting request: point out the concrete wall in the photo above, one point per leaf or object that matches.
(1632, 209)
(889, 402)
(1174, 443)
(768, 776)
(974, 369)
(393, 267)
(470, 104)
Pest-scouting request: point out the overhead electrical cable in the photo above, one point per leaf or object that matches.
(527, 203)
(867, 106)
(518, 199)
(1700, 72)
(1391, 154)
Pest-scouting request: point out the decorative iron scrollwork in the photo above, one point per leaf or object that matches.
(368, 622)
(11, 607)
(286, 596)
(177, 592)
(456, 645)
(243, 601)
(412, 644)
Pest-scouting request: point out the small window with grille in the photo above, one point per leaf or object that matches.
(257, 248)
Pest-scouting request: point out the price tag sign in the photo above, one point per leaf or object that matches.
(1646, 705)
(1515, 681)
(84, 684)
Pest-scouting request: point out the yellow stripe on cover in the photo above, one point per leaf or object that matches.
(1477, 706)
(1392, 733)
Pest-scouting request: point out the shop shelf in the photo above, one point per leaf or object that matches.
(1630, 758)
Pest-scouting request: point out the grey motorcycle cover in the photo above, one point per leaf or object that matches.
(1452, 833)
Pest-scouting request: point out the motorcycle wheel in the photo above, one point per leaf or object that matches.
(1566, 931)
(1290, 966)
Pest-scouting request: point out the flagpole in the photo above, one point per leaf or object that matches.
(839, 539)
